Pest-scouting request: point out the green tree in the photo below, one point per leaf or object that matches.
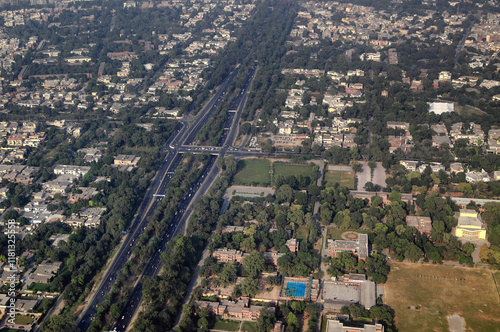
(325, 215)
(248, 244)
(60, 323)
(413, 253)
(466, 189)
(394, 196)
(227, 275)
(250, 286)
(266, 321)
(254, 264)
(284, 193)
(293, 322)
(356, 167)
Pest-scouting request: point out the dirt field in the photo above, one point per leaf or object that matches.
(422, 295)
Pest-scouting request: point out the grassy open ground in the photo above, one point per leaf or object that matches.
(422, 295)
(249, 327)
(302, 233)
(39, 287)
(253, 172)
(23, 319)
(291, 169)
(343, 178)
(227, 325)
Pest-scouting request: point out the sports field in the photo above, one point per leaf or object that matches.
(292, 169)
(343, 178)
(422, 295)
(253, 172)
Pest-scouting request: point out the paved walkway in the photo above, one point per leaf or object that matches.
(321, 164)
(475, 253)
(248, 191)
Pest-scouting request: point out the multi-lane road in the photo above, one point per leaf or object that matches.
(183, 136)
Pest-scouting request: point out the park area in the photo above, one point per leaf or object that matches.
(285, 170)
(227, 325)
(249, 327)
(343, 178)
(253, 172)
(423, 295)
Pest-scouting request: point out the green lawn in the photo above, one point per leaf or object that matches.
(253, 172)
(249, 327)
(23, 319)
(40, 287)
(302, 233)
(343, 178)
(336, 233)
(45, 305)
(227, 325)
(290, 169)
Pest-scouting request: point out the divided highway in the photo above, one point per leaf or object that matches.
(201, 186)
(183, 135)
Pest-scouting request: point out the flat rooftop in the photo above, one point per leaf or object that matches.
(344, 293)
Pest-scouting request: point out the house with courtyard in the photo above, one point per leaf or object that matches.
(357, 247)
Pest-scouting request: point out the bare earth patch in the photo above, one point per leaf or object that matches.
(457, 323)
(437, 291)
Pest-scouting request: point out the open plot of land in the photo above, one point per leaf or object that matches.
(227, 325)
(423, 295)
(291, 169)
(253, 172)
(302, 233)
(343, 178)
(41, 287)
(249, 327)
(23, 319)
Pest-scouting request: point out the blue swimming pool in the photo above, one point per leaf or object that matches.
(296, 289)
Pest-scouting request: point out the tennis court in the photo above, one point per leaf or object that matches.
(296, 289)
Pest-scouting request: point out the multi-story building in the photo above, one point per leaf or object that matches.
(240, 310)
(470, 225)
(334, 325)
(422, 224)
(225, 255)
(358, 247)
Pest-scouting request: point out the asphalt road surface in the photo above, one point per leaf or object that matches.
(201, 186)
(183, 135)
